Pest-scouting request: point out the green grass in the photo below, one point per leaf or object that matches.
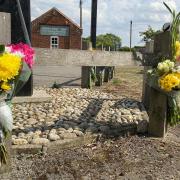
(116, 81)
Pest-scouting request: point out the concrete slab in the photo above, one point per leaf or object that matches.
(37, 97)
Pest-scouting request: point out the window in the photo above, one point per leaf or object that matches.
(48, 30)
(54, 42)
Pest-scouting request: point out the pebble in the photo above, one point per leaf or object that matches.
(68, 135)
(53, 137)
(74, 112)
(78, 133)
(39, 141)
(19, 141)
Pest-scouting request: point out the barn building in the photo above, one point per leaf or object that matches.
(53, 29)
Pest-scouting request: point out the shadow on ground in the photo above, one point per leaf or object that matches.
(88, 123)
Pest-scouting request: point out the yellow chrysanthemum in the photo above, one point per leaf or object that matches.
(9, 66)
(177, 45)
(177, 56)
(5, 86)
(170, 81)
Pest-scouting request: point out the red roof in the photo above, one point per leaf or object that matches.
(55, 9)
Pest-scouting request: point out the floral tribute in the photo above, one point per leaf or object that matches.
(16, 61)
(167, 73)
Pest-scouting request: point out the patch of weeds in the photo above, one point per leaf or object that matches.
(55, 85)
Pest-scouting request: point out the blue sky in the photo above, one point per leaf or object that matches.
(114, 16)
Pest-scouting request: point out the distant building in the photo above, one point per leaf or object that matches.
(55, 30)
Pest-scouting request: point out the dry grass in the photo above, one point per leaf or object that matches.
(127, 82)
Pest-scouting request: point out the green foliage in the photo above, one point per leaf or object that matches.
(2, 48)
(174, 28)
(106, 41)
(125, 48)
(173, 112)
(148, 34)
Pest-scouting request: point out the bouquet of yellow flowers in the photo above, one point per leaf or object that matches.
(167, 73)
(169, 76)
(16, 61)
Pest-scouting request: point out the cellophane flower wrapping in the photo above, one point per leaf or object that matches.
(16, 61)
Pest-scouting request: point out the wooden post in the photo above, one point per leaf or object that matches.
(149, 50)
(5, 38)
(85, 77)
(157, 113)
(154, 100)
(146, 89)
(100, 75)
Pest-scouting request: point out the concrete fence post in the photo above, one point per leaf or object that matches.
(5, 28)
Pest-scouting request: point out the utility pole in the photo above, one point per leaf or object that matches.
(80, 6)
(93, 23)
(130, 34)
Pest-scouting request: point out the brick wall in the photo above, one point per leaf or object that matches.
(54, 17)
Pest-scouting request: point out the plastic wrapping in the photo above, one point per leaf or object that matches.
(6, 119)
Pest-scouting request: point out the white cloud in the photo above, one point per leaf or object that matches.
(113, 15)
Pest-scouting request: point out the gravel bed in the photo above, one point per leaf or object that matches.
(76, 112)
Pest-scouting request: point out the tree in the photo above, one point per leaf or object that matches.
(106, 41)
(148, 34)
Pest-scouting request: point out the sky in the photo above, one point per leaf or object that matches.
(114, 16)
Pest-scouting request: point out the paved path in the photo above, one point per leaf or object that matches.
(62, 75)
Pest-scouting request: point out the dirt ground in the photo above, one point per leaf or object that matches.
(127, 82)
(126, 158)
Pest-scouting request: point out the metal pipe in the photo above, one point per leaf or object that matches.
(23, 24)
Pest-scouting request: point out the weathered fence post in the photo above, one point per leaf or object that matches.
(5, 38)
(99, 75)
(156, 102)
(149, 50)
(157, 113)
(86, 76)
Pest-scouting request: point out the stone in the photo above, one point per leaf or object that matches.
(104, 129)
(61, 130)
(125, 111)
(53, 137)
(19, 141)
(78, 133)
(38, 132)
(59, 123)
(68, 135)
(40, 141)
(70, 130)
(92, 129)
(65, 116)
(84, 125)
(21, 135)
(53, 131)
(31, 121)
(66, 126)
(129, 118)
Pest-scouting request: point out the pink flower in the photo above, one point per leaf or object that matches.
(26, 50)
